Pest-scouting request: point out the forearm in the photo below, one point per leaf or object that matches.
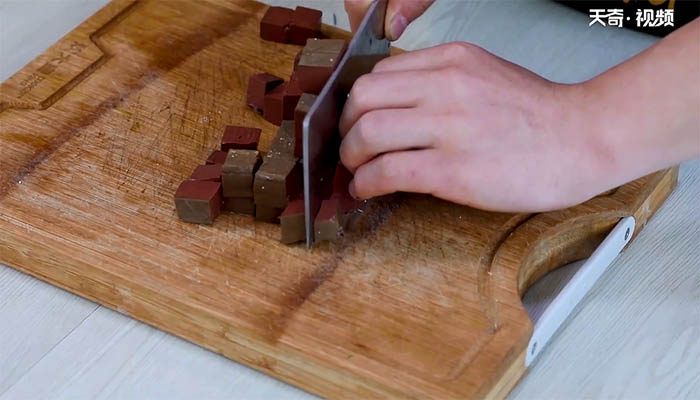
(647, 110)
(457, 122)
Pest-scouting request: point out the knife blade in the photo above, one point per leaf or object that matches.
(321, 139)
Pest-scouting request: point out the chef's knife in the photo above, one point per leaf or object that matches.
(320, 138)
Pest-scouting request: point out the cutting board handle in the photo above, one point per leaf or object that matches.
(578, 286)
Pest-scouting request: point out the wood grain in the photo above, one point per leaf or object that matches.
(423, 299)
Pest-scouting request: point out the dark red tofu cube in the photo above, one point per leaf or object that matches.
(274, 25)
(305, 24)
(273, 108)
(198, 202)
(258, 86)
(211, 172)
(240, 138)
(348, 206)
(281, 102)
(217, 157)
(297, 58)
(341, 181)
(292, 94)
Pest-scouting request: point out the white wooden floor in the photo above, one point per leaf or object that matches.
(636, 336)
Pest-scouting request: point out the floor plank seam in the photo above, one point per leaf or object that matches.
(97, 306)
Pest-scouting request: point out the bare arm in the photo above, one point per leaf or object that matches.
(465, 125)
(648, 108)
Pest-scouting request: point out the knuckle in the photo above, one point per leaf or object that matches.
(462, 52)
(382, 65)
(360, 90)
(360, 181)
(474, 52)
(456, 51)
(387, 167)
(468, 47)
(365, 130)
(346, 155)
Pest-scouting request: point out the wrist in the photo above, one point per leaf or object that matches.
(596, 148)
(643, 122)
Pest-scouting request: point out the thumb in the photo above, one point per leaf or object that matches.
(356, 10)
(400, 13)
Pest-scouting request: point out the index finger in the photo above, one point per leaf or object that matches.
(356, 10)
(381, 90)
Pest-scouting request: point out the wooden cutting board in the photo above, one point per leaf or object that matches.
(422, 299)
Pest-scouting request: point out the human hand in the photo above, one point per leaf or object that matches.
(399, 14)
(457, 122)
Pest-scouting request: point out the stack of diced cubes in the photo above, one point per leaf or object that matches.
(238, 179)
(225, 182)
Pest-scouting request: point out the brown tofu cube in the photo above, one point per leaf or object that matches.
(239, 205)
(284, 142)
(268, 214)
(314, 70)
(240, 138)
(275, 24)
(211, 172)
(198, 202)
(328, 224)
(305, 24)
(328, 46)
(292, 222)
(238, 172)
(277, 180)
(260, 85)
(317, 62)
(303, 107)
(216, 157)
